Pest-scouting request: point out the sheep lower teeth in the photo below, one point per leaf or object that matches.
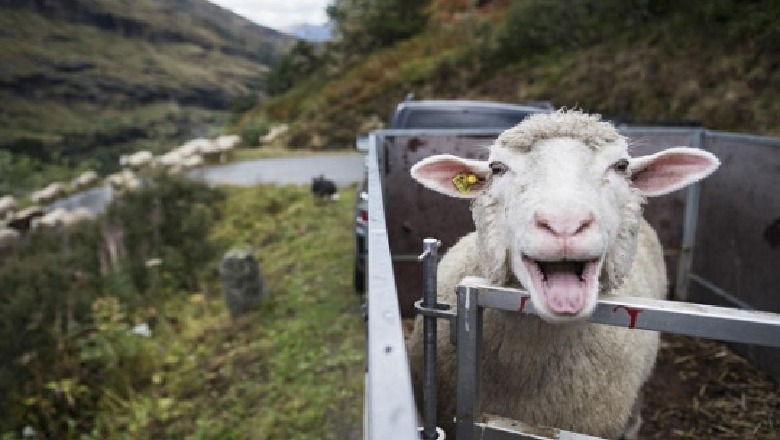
(549, 268)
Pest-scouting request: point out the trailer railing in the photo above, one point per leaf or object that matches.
(712, 322)
(389, 402)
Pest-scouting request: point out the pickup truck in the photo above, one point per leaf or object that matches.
(415, 116)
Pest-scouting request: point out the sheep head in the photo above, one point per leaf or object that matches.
(557, 205)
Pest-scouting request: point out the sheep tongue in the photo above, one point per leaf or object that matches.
(564, 291)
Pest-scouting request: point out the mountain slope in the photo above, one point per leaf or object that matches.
(642, 61)
(93, 78)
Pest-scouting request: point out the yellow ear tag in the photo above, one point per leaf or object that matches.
(464, 182)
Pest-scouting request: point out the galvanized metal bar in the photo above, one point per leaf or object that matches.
(638, 129)
(430, 258)
(455, 132)
(500, 428)
(766, 141)
(722, 293)
(389, 397)
(689, 229)
(406, 258)
(712, 322)
(468, 355)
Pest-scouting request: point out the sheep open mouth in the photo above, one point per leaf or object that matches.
(564, 285)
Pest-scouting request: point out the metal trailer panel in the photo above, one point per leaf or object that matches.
(414, 212)
(389, 398)
(664, 213)
(737, 253)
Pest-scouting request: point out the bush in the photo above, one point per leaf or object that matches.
(68, 303)
(251, 131)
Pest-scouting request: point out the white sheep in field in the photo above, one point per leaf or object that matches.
(84, 180)
(136, 160)
(76, 216)
(7, 206)
(124, 180)
(50, 193)
(51, 219)
(62, 217)
(558, 212)
(194, 147)
(191, 162)
(274, 133)
(227, 142)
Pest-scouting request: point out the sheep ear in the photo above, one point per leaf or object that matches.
(671, 169)
(451, 175)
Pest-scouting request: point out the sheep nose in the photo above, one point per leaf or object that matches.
(564, 224)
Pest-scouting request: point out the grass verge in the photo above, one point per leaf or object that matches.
(291, 369)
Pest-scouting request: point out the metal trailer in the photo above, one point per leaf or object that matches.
(394, 200)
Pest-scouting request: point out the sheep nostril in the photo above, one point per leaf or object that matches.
(545, 226)
(586, 224)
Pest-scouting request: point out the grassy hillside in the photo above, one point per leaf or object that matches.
(714, 62)
(290, 369)
(94, 78)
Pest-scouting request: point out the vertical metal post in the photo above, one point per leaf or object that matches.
(430, 262)
(689, 230)
(469, 322)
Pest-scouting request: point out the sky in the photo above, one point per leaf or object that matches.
(278, 14)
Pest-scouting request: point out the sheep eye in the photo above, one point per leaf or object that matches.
(497, 168)
(620, 166)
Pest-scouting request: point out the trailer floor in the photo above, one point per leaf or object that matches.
(701, 389)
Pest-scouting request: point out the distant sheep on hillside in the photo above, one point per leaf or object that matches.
(7, 206)
(84, 180)
(50, 193)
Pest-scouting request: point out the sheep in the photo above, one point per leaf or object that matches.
(323, 188)
(7, 206)
(84, 180)
(194, 147)
(51, 219)
(557, 208)
(227, 142)
(170, 159)
(273, 134)
(123, 181)
(191, 162)
(64, 218)
(49, 194)
(76, 216)
(137, 160)
(22, 220)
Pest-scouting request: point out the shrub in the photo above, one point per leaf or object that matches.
(252, 130)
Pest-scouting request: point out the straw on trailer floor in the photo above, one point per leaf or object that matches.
(701, 389)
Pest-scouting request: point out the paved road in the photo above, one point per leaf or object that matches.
(341, 168)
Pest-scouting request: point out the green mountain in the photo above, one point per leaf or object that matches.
(715, 62)
(95, 78)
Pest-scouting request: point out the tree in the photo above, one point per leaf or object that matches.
(362, 26)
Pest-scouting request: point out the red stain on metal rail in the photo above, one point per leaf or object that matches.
(523, 300)
(632, 313)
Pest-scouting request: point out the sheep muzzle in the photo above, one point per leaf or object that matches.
(563, 285)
